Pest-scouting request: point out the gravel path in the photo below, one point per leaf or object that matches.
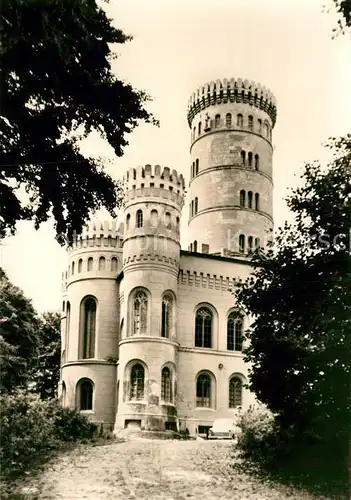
(151, 470)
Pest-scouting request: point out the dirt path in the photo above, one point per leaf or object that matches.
(151, 470)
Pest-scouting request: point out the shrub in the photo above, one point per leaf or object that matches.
(32, 429)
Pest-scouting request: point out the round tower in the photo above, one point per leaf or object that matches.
(91, 322)
(151, 252)
(230, 193)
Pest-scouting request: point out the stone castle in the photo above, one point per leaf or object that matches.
(151, 335)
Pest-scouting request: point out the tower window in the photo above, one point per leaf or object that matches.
(196, 204)
(195, 246)
(85, 395)
(203, 391)
(196, 166)
(194, 132)
(88, 328)
(72, 268)
(257, 165)
(239, 120)
(90, 264)
(257, 201)
(192, 208)
(235, 392)
(228, 120)
(199, 128)
(249, 159)
(137, 381)
(243, 158)
(250, 244)
(128, 221)
(217, 120)
(266, 129)
(168, 220)
(102, 263)
(140, 313)
(250, 122)
(67, 326)
(242, 198)
(166, 385)
(192, 170)
(139, 218)
(154, 218)
(203, 328)
(257, 243)
(242, 243)
(249, 199)
(259, 125)
(80, 265)
(166, 323)
(234, 332)
(114, 264)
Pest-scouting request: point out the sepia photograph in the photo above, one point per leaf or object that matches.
(175, 250)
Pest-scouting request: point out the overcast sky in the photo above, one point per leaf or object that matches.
(179, 45)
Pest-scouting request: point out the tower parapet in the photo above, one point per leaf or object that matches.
(233, 90)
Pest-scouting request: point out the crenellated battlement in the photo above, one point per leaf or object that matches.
(156, 176)
(108, 233)
(232, 90)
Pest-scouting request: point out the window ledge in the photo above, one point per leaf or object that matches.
(87, 412)
(204, 408)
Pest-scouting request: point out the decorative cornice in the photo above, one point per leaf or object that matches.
(232, 90)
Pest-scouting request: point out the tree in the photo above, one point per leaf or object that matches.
(300, 299)
(343, 8)
(45, 375)
(56, 87)
(19, 336)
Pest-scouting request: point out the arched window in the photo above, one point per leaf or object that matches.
(67, 326)
(250, 122)
(191, 247)
(114, 264)
(90, 264)
(250, 244)
(85, 394)
(242, 198)
(242, 243)
(166, 321)
(139, 218)
(235, 392)
(63, 394)
(80, 265)
(257, 243)
(199, 128)
(140, 313)
(196, 205)
(217, 120)
(234, 332)
(197, 166)
(154, 218)
(102, 263)
(203, 390)
(166, 385)
(137, 381)
(259, 125)
(249, 158)
(88, 328)
(63, 306)
(257, 162)
(203, 327)
(243, 158)
(266, 129)
(239, 120)
(192, 170)
(128, 221)
(192, 208)
(257, 201)
(168, 220)
(72, 268)
(195, 246)
(228, 120)
(194, 132)
(249, 199)
(177, 222)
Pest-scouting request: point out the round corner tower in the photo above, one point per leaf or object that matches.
(151, 253)
(231, 187)
(90, 322)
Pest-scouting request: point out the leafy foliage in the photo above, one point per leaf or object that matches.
(56, 87)
(343, 8)
(31, 430)
(19, 339)
(46, 374)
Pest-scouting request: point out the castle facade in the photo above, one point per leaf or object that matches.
(151, 335)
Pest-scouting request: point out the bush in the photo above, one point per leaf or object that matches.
(32, 429)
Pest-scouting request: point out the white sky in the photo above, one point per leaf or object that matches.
(179, 45)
